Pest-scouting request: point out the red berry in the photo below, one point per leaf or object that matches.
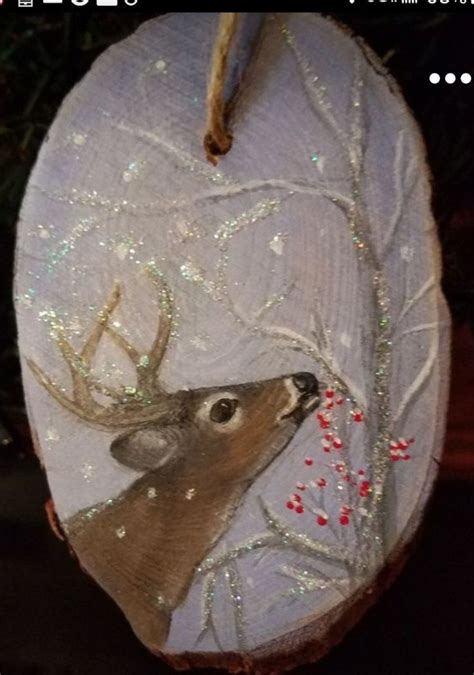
(364, 488)
(296, 498)
(299, 508)
(344, 520)
(308, 461)
(337, 443)
(300, 486)
(290, 505)
(361, 472)
(321, 520)
(358, 415)
(339, 401)
(406, 457)
(329, 393)
(322, 482)
(328, 437)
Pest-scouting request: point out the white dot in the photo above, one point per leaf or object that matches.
(79, 139)
(450, 78)
(160, 66)
(434, 78)
(465, 78)
(406, 253)
(345, 339)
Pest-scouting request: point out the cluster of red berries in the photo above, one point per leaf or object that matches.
(295, 503)
(344, 513)
(324, 416)
(331, 442)
(398, 449)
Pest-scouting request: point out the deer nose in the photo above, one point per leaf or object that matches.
(306, 383)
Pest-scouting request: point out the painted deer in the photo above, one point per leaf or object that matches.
(197, 451)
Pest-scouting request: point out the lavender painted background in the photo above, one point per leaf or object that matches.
(310, 247)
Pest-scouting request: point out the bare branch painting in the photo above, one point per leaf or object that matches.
(257, 434)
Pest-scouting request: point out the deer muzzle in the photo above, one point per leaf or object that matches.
(304, 396)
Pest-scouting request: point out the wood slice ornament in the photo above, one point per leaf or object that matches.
(236, 375)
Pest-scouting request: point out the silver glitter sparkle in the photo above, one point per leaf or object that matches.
(306, 580)
(303, 542)
(82, 520)
(60, 252)
(214, 281)
(187, 231)
(58, 333)
(192, 272)
(74, 326)
(43, 231)
(176, 154)
(217, 288)
(144, 361)
(231, 227)
(88, 471)
(26, 299)
(352, 143)
(207, 600)
(406, 253)
(277, 243)
(233, 579)
(133, 171)
(201, 342)
(167, 302)
(252, 544)
(52, 435)
(126, 248)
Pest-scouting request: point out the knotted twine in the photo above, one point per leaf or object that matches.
(218, 138)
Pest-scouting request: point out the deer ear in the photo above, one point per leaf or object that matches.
(147, 449)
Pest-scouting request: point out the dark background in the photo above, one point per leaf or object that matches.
(53, 619)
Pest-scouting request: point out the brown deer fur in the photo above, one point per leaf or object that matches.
(197, 454)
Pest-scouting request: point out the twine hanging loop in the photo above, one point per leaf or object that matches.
(218, 138)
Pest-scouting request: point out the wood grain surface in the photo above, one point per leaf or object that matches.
(236, 376)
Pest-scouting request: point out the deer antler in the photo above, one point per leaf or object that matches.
(148, 364)
(130, 408)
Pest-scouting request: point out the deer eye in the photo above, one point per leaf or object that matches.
(223, 410)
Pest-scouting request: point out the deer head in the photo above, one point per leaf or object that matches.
(197, 451)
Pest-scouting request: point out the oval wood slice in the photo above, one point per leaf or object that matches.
(236, 375)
